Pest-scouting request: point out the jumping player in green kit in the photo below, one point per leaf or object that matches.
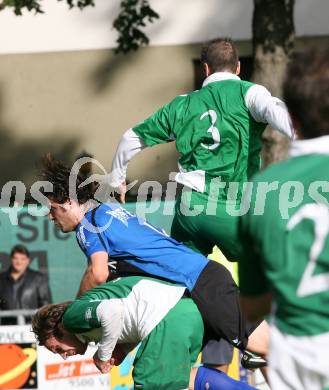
(285, 267)
(218, 131)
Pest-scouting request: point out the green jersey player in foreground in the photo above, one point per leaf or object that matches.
(218, 132)
(286, 264)
(122, 313)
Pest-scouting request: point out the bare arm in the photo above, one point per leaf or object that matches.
(96, 273)
(256, 307)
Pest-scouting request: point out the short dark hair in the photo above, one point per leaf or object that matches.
(58, 174)
(19, 249)
(220, 54)
(46, 320)
(306, 91)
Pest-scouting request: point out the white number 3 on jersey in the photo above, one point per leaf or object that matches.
(212, 129)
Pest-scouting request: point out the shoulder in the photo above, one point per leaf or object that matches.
(247, 84)
(81, 315)
(185, 99)
(36, 274)
(232, 88)
(182, 98)
(252, 90)
(3, 278)
(94, 222)
(178, 102)
(276, 171)
(98, 212)
(112, 213)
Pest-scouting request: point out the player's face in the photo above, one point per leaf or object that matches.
(19, 262)
(64, 215)
(67, 346)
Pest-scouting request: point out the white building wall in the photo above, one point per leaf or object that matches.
(182, 21)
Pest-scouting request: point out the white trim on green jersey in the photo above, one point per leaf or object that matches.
(129, 319)
(220, 76)
(193, 179)
(319, 145)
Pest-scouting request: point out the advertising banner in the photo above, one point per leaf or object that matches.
(24, 365)
(77, 372)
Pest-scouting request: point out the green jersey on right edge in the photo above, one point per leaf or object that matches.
(286, 240)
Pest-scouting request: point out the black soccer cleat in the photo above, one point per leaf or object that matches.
(252, 361)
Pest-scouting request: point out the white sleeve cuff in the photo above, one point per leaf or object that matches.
(110, 314)
(129, 145)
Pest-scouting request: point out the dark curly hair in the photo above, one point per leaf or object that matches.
(306, 91)
(46, 320)
(58, 174)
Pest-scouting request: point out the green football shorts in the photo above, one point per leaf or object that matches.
(212, 226)
(165, 357)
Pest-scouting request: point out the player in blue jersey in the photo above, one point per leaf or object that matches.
(118, 243)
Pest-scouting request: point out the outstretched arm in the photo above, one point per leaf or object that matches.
(156, 129)
(266, 108)
(129, 145)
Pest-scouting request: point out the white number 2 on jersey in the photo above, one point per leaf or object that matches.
(319, 214)
(212, 129)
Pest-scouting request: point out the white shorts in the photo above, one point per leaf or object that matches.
(298, 362)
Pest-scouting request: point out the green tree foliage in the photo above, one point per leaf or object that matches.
(132, 17)
(36, 5)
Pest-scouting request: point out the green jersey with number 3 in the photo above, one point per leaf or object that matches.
(286, 248)
(214, 131)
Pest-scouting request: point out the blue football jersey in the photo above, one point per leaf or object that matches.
(131, 241)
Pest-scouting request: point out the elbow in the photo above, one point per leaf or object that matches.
(248, 310)
(252, 317)
(256, 308)
(127, 135)
(99, 275)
